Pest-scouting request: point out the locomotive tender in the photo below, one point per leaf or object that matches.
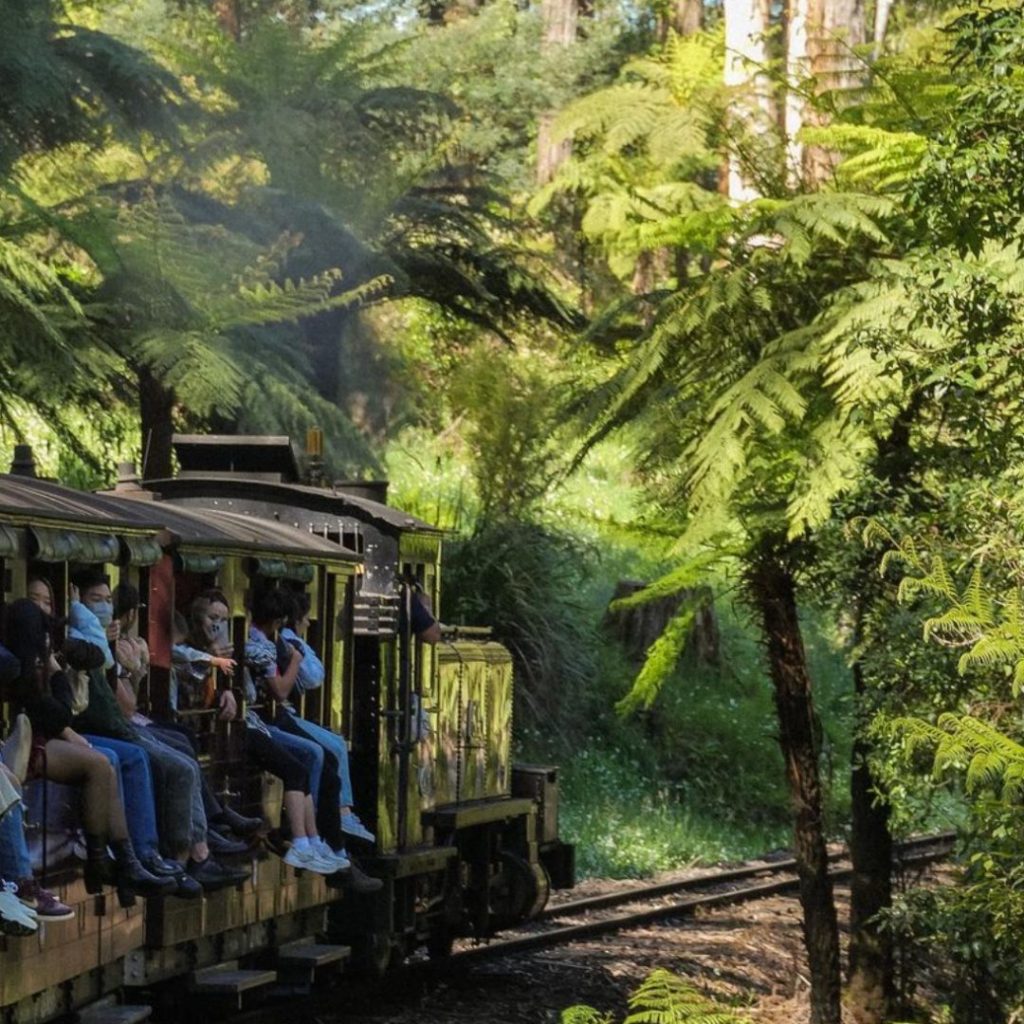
(467, 842)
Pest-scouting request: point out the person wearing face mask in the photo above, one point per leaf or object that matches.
(177, 776)
(129, 760)
(132, 657)
(61, 754)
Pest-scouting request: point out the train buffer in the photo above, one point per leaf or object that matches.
(302, 962)
(227, 985)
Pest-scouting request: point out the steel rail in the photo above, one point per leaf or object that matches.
(615, 899)
(559, 936)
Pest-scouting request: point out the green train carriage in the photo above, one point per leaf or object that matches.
(467, 842)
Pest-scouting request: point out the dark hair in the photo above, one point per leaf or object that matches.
(126, 599)
(270, 605)
(300, 604)
(82, 655)
(180, 624)
(27, 634)
(86, 579)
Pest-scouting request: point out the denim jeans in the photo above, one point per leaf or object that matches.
(179, 790)
(337, 746)
(131, 763)
(14, 859)
(308, 752)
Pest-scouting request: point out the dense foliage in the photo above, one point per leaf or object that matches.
(755, 337)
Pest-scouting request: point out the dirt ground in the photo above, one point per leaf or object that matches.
(749, 955)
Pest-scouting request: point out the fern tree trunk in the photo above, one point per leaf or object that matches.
(871, 982)
(156, 415)
(871, 990)
(772, 590)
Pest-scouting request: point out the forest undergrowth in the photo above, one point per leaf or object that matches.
(699, 777)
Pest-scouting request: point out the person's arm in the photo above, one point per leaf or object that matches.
(127, 699)
(282, 683)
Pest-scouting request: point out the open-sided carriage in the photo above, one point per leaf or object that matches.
(467, 842)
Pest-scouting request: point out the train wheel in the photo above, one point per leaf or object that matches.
(522, 893)
(440, 942)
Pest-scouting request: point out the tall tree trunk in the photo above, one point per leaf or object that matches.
(821, 37)
(156, 417)
(561, 18)
(772, 591)
(684, 17)
(882, 11)
(870, 978)
(871, 965)
(746, 62)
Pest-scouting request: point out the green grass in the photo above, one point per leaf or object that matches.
(626, 824)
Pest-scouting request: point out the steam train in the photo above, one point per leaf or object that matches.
(467, 841)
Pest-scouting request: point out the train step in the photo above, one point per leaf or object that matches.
(228, 983)
(311, 954)
(108, 1012)
(300, 963)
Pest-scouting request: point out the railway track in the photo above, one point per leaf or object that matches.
(713, 889)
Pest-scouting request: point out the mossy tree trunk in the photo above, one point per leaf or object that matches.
(156, 416)
(772, 591)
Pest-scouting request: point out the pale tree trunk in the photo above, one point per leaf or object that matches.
(821, 39)
(561, 18)
(882, 11)
(746, 61)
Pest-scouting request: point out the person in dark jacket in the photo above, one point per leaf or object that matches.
(61, 755)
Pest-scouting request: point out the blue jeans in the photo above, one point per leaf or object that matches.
(14, 859)
(131, 763)
(180, 785)
(308, 752)
(337, 746)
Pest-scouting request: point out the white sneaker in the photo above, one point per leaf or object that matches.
(15, 917)
(309, 860)
(352, 826)
(337, 857)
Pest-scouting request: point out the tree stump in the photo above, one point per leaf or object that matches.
(637, 628)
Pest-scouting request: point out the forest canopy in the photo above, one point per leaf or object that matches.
(726, 294)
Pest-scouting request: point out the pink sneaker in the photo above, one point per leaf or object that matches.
(46, 905)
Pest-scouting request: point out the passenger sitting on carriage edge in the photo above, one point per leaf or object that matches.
(129, 760)
(278, 676)
(190, 666)
(311, 676)
(17, 918)
(15, 866)
(319, 844)
(132, 657)
(177, 776)
(60, 754)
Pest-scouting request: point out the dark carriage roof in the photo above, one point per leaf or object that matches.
(30, 498)
(34, 500)
(332, 500)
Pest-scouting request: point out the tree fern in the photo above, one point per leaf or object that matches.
(661, 998)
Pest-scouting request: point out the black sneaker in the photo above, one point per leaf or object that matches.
(360, 882)
(224, 847)
(238, 823)
(211, 875)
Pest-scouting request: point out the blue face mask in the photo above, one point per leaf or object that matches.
(104, 611)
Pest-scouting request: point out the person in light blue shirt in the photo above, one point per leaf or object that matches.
(311, 675)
